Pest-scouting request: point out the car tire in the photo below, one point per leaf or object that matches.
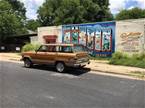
(27, 63)
(60, 67)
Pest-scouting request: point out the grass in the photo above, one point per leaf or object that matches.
(100, 58)
(138, 74)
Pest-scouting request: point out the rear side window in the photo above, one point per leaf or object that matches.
(65, 49)
(79, 48)
(43, 48)
(51, 49)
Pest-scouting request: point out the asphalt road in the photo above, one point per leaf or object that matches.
(42, 87)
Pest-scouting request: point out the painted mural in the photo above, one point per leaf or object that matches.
(107, 38)
(131, 41)
(99, 38)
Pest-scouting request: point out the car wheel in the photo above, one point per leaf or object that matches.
(60, 67)
(27, 63)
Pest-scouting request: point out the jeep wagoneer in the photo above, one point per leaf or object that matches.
(58, 55)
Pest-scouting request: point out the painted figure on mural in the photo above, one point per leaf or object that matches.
(67, 37)
(98, 40)
(75, 34)
(106, 39)
(90, 37)
(82, 36)
(90, 40)
(75, 37)
(106, 42)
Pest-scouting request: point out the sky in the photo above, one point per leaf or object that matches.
(115, 6)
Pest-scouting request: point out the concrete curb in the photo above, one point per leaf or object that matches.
(109, 72)
(123, 74)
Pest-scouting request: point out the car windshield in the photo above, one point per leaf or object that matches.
(79, 48)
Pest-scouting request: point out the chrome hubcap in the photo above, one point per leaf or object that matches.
(60, 67)
(27, 63)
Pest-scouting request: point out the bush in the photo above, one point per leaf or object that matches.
(139, 56)
(119, 55)
(30, 47)
(135, 60)
(118, 58)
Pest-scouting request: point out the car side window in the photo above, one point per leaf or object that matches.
(66, 49)
(57, 48)
(43, 49)
(51, 49)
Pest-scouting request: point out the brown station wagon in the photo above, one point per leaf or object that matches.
(58, 55)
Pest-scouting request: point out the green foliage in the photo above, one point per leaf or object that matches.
(99, 58)
(30, 47)
(32, 25)
(135, 60)
(18, 8)
(119, 55)
(134, 13)
(56, 12)
(10, 22)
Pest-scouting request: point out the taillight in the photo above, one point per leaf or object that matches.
(74, 58)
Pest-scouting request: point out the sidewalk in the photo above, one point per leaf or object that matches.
(105, 67)
(95, 65)
(12, 57)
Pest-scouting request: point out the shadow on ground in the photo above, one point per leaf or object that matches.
(72, 71)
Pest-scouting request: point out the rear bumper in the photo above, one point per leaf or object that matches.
(78, 64)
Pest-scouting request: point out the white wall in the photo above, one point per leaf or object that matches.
(34, 39)
(52, 30)
(130, 36)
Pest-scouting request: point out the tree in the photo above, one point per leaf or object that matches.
(56, 12)
(32, 25)
(10, 22)
(133, 13)
(18, 8)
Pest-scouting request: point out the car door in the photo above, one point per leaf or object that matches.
(40, 57)
(65, 54)
(51, 54)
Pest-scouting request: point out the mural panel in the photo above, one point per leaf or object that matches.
(82, 35)
(75, 34)
(90, 36)
(99, 38)
(67, 35)
(106, 40)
